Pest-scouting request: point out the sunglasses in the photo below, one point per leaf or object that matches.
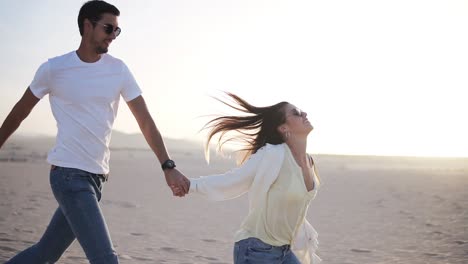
(297, 112)
(109, 29)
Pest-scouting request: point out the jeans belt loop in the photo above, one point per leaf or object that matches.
(104, 177)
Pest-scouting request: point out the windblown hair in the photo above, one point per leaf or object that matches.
(256, 129)
(93, 10)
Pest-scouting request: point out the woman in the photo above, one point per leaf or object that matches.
(279, 176)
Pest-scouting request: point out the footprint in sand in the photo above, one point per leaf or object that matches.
(397, 196)
(6, 239)
(29, 231)
(206, 258)
(379, 203)
(121, 204)
(406, 251)
(457, 206)
(409, 215)
(431, 225)
(209, 240)
(9, 249)
(143, 259)
(137, 234)
(171, 250)
(76, 258)
(32, 199)
(6, 204)
(361, 250)
(431, 254)
(126, 257)
(437, 233)
(40, 196)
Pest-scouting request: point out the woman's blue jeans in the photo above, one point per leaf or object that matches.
(254, 251)
(78, 216)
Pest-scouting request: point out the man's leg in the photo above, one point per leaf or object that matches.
(78, 193)
(56, 239)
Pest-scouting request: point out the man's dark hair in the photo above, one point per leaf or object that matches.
(93, 11)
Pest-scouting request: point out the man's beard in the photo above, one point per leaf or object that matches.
(101, 50)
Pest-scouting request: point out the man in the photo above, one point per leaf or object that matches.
(84, 88)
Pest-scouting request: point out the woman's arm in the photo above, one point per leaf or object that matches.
(229, 185)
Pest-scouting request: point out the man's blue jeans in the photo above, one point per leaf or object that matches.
(78, 216)
(254, 251)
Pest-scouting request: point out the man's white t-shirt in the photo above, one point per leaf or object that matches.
(84, 98)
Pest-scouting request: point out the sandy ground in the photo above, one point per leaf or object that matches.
(369, 209)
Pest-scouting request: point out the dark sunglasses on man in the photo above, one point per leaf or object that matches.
(109, 28)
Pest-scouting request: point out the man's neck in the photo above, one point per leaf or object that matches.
(87, 54)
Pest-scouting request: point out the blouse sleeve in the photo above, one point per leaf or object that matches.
(229, 185)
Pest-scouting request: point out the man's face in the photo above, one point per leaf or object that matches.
(104, 32)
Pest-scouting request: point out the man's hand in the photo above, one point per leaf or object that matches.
(178, 183)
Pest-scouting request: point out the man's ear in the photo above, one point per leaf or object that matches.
(87, 26)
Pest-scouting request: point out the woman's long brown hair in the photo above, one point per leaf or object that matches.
(256, 128)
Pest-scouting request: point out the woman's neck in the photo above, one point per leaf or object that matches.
(298, 148)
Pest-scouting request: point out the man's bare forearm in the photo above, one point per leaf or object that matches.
(11, 123)
(155, 140)
(19, 112)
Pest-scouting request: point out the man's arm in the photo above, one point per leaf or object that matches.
(19, 112)
(152, 135)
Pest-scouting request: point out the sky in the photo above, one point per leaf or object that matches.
(375, 77)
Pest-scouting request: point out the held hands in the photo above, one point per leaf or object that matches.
(178, 183)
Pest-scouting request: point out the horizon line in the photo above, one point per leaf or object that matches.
(194, 140)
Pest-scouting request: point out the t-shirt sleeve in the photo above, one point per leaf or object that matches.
(130, 89)
(40, 84)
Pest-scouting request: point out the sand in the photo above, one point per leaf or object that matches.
(369, 209)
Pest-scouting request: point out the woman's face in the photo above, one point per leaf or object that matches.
(296, 121)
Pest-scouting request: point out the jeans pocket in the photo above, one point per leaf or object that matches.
(79, 182)
(262, 253)
(54, 182)
(257, 245)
